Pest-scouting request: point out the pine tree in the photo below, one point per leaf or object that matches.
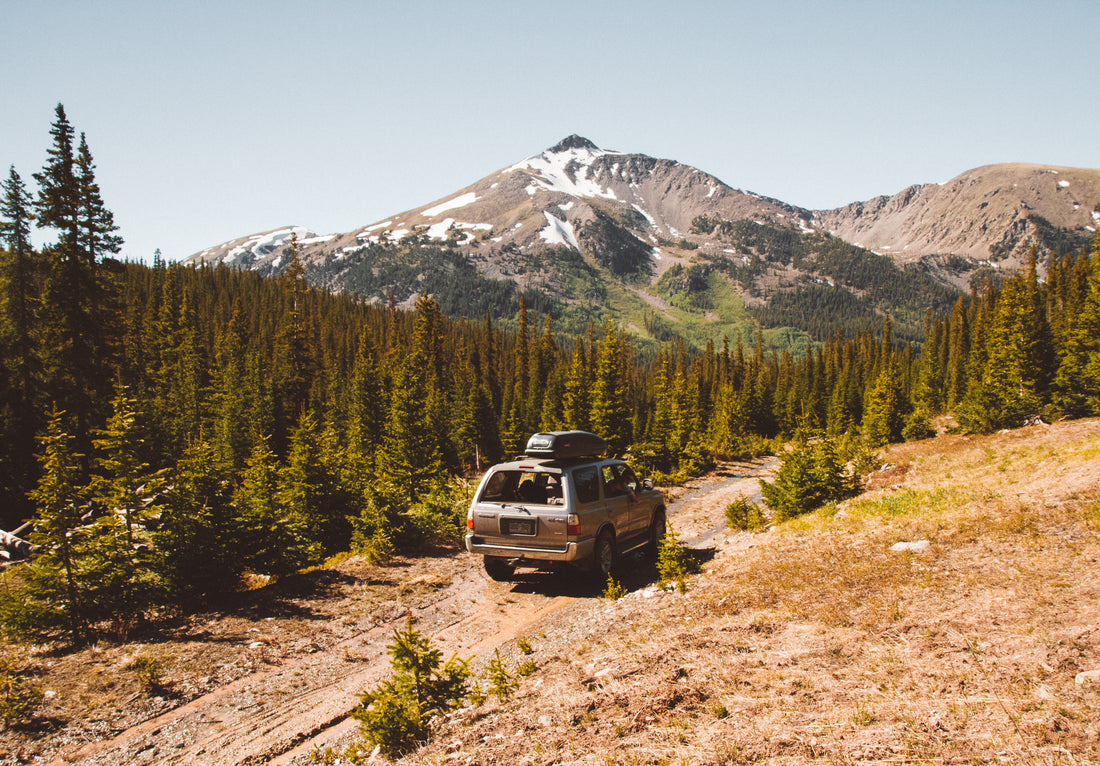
(659, 447)
(295, 365)
(576, 400)
(58, 188)
(1017, 359)
(522, 361)
(119, 547)
(310, 491)
(278, 535)
(96, 223)
(958, 355)
(886, 405)
(1076, 386)
(885, 412)
(366, 410)
(199, 541)
(610, 414)
(810, 475)
(396, 714)
(56, 594)
(80, 316)
(20, 366)
(410, 459)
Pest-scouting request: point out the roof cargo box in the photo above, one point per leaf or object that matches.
(563, 445)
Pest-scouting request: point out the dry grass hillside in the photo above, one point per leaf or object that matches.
(819, 642)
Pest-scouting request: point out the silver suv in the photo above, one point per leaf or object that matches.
(561, 504)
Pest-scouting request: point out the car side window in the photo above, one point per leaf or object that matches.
(586, 484)
(613, 485)
(628, 477)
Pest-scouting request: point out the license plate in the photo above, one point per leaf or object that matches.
(519, 526)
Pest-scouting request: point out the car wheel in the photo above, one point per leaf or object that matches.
(603, 558)
(498, 569)
(656, 533)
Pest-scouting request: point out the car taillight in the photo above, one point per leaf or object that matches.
(572, 524)
(470, 520)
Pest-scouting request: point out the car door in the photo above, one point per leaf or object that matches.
(639, 511)
(587, 499)
(617, 497)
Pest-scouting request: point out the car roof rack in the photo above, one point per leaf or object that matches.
(565, 445)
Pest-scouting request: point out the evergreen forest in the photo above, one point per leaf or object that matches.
(170, 430)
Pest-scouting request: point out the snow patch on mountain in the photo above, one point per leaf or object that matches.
(559, 232)
(461, 200)
(647, 216)
(566, 170)
(263, 244)
(440, 230)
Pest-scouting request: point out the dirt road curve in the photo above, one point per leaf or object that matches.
(279, 714)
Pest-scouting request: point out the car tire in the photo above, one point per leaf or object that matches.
(603, 558)
(656, 532)
(498, 569)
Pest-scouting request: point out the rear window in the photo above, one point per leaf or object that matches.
(530, 487)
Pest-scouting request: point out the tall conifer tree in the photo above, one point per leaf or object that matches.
(20, 367)
(80, 316)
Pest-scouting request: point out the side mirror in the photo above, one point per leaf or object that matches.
(647, 483)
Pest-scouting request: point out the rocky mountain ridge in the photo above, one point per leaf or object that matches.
(570, 222)
(984, 214)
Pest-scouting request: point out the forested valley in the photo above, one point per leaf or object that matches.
(169, 430)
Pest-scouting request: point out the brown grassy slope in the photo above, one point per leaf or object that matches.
(817, 643)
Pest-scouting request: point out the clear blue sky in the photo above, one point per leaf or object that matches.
(212, 120)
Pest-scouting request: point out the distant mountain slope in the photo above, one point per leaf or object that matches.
(992, 213)
(572, 194)
(671, 249)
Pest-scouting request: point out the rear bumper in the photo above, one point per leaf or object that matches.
(574, 551)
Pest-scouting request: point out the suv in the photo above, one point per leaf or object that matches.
(561, 504)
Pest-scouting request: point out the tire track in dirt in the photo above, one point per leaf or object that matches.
(281, 714)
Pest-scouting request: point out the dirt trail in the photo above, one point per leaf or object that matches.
(279, 715)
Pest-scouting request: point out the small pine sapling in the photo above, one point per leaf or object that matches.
(397, 713)
(745, 515)
(20, 695)
(501, 683)
(613, 590)
(674, 562)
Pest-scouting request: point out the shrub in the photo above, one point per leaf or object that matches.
(744, 514)
(918, 426)
(20, 695)
(674, 562)
(613, 590)
(149, 673)
(855, 450)
(501, 682)
(396, 714)
(811, 475)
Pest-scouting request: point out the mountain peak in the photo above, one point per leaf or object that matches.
(573, 142)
